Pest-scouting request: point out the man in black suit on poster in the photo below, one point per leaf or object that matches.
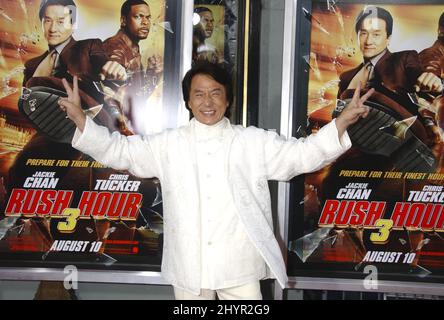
(65, 58)
(395, 76)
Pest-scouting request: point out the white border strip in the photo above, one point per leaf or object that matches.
(102, 276)
(286, 125)
(385, 286)
(183, 114)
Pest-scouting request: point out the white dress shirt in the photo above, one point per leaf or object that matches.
(58, 49)
(228, 256)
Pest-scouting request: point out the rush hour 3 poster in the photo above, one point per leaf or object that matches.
(382, 202)
(57, 204)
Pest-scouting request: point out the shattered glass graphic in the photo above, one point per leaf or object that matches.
(165, 25)
(6, 224)
(428, 159)
(399, 129)
(5, 15)
(108, 232)
(5, 81)
(314, 21)
(313, 64)
(305, 246)
(28, 39)
(105, 259)
(301, 132)
(317, 99)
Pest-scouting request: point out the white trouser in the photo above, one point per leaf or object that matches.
(250, 291)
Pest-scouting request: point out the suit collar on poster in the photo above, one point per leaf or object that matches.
(376, 59)
(59, 48)
(349, 75)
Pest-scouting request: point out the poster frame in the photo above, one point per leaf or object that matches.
(181, 61)
(293, 94)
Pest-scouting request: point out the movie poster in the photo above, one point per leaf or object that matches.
(382, 202)
(215, 39)
(215, 32)
(58, 205)
(208, 33)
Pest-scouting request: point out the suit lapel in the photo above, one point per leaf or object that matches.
(38, 60)
(380, 66)
(65, 52)
(353, 73)
(65, 55)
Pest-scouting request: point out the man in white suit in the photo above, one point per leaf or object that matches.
(218, 228)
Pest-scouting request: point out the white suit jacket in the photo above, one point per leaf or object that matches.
(254, 156)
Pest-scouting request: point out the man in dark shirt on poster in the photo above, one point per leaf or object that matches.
(202, 31)
(123, 47)
(128, 102)
(432, 60)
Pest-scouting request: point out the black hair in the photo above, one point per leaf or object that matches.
(441, 21)
(66, 3)
(126, 6)
(199, 10)
(375, 12)
(215, 71)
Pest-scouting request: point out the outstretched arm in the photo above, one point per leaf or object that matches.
(134, 153)
(285, 159)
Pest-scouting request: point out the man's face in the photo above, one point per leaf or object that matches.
(57, 24)
(208, 99)
(138, 21)
(207, 22)
(373, 37)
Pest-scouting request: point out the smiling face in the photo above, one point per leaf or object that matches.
(373, 37)
(208, 99)
(57, 24)
(138, 21)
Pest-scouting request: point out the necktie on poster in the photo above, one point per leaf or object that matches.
(46, 67)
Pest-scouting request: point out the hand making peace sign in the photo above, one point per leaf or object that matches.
(72, 104)
(353, 111)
